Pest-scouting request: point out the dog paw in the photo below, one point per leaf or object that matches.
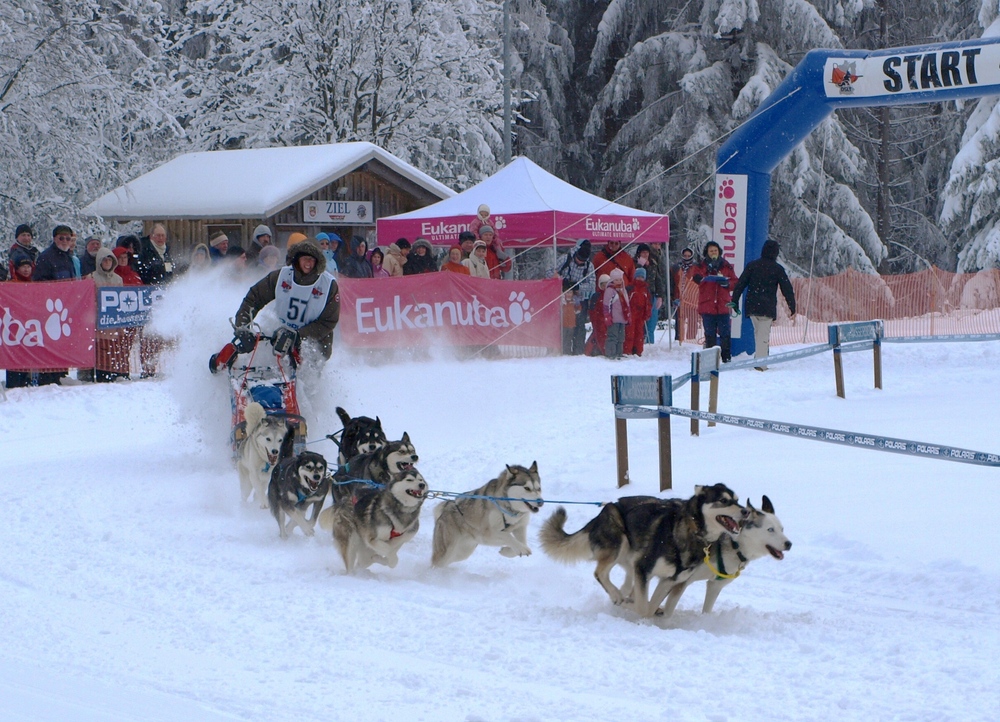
(508, 552)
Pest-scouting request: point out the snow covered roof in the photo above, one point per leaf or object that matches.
(522, 187)
(254, 183)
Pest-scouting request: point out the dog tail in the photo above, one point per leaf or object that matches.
(563, 547)
(253, 413)
(344, 416)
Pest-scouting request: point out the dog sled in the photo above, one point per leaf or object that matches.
(263, 369)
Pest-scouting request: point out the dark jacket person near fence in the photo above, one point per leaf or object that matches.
(761, 279)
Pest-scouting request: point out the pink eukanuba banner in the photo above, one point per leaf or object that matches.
(47, 325)
(449, 309)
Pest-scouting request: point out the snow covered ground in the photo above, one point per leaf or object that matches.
(134, 585)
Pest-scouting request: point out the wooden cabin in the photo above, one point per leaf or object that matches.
(342, 187)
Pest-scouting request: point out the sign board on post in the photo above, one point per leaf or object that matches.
(343, 213)
(705, 366)
(858, 333)
(629, 394)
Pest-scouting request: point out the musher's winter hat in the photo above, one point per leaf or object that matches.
(23, 228)
(218, 239)
(640, 273)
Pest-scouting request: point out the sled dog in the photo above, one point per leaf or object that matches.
(649, 537)
(361, 435)
(761, 533)
(378, 466)
(297, 483)
(370, 527)
(258, 452)
(460, 525)
(602, 539)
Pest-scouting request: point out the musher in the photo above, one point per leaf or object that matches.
(307, 303)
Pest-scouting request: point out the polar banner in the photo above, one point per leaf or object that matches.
(449, 309)
(126, 307)
(47, 325)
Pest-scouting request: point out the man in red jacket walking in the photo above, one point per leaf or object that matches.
(715, 276)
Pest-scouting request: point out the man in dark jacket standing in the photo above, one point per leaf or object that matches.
(761, 279)
(57, 262)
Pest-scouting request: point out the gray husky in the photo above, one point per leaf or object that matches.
(650, 537)
(258, 452)
(370, 526)
(297, 483)
(500, 520)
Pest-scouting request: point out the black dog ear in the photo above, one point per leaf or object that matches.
(378, 422)
(766, 505)
(406, 438)
(534, 467)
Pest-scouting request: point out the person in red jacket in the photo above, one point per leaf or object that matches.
(641, 309)
(599, 334)
(715, 276)
(613, 256)
(124, 269)
(454, 262)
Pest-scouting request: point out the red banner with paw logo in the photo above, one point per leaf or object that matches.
(47, 325)
(449, 309)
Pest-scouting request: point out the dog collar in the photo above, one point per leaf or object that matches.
(267, 466)
(720, 573)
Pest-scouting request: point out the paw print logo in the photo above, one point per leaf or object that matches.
(726, 189)
(518, 310)
(499, 223)
(57, 324)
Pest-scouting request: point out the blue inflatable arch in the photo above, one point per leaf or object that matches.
(824, 81)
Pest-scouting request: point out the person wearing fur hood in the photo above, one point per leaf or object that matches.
(476, 262)
(306, 296)
(421, 259)
(394, 260)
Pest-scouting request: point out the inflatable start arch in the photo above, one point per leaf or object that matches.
(824, 81)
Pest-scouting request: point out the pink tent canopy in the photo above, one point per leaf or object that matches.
(528, 206)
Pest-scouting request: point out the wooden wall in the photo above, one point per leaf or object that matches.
(389, 192)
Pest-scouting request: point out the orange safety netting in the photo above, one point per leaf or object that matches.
(929, 303)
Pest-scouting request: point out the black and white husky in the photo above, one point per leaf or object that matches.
(652, 538)
(378, 466)
(370, 526)
(258, 452)
(761, 534)
(297, 483)
(360, 435)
